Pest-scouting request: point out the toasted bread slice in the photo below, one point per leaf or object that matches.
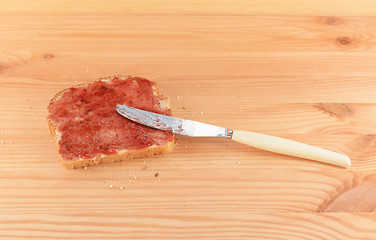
(88, 130)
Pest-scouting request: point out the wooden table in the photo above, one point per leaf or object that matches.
(303, 70)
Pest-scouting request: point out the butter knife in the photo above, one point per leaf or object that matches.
(258, 140)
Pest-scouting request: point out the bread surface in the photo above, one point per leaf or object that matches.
(121, 154)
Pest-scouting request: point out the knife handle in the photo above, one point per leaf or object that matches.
(288, 147)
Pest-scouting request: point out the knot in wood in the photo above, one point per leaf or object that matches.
(48, 56)
(343, 40)
(332, 20)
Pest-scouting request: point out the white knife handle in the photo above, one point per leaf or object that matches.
(288, 147)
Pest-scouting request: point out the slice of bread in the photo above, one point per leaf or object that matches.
(88, 130)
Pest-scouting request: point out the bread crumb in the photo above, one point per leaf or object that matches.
(183, 108)
(134, 177)
(111, 186)
(201, 113)
(238, 163)
(156, 174)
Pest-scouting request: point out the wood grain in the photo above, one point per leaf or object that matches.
(300, 70)
(230, 7)
(238, 225)
(220, 186)
(192, 36)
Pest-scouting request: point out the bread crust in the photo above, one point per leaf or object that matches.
(120, 155)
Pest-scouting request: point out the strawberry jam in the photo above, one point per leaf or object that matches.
(89, 125)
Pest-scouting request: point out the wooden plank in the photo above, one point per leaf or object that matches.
(201, 153)
(259, 7)
(346, 128)
(191, 36)
(169, 225)
(134, 188)
(24, 103)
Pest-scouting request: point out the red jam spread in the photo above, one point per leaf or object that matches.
(89, 125)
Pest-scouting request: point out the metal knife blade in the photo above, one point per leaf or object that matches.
(172, 124)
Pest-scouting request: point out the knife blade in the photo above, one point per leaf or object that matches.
(258, 140)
